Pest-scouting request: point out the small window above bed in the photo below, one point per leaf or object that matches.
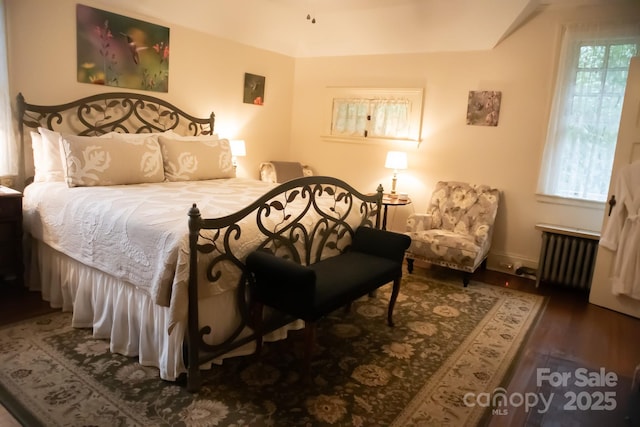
(364, 115)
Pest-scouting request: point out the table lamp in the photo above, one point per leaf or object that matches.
(395, 160)
(238, 149)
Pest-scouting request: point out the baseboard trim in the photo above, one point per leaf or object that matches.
(506, 263)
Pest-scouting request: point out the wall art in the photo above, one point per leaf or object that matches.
(483, 108)
(253, 89)
(115, 50)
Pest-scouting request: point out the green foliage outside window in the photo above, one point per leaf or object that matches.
(592, 111)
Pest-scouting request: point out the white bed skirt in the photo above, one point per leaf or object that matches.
(127, 317)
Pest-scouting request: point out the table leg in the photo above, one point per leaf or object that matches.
(384, 218)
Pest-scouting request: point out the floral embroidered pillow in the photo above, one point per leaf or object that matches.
(91, 161)
(196, 159)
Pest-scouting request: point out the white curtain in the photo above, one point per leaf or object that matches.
(585, 115)
(378, 117)
(9, 157)
(349, 116)
(390, 118)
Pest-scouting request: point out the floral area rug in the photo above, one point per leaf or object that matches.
(448, 341)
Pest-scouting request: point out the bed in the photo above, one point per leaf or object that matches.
(136, 223)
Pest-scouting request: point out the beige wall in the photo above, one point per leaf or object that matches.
(507, 156)
(206, 74)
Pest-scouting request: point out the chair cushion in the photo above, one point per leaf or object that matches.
(446, 248)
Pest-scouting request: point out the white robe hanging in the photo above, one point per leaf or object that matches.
(622, 232)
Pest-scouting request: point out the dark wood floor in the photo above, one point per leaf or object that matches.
(569, 329)
(578, 334)
(18, 303)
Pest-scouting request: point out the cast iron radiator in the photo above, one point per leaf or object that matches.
(567, 256)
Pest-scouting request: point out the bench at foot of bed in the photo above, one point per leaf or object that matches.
(311, 292)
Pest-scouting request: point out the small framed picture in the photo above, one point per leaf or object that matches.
(253, 89)
(483, 108)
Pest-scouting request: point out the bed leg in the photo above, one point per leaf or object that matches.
(309, 342)
(257, 325)
(193, 378)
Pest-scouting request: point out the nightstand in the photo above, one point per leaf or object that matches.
(11, 267)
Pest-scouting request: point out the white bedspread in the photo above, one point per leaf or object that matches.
(136, 233)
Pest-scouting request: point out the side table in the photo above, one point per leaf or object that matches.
(11, 265)
(387, 201)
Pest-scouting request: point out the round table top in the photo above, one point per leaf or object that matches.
(387, 199)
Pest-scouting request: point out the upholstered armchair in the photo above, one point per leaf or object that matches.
(457, 228)
(278, 172)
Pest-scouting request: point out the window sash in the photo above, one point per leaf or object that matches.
(375, 115)
(583, 129)
(349, 117)
(376, 118)
(390, 118)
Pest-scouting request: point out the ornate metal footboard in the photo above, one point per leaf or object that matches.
(305, 220)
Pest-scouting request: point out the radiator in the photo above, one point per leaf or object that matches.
(567, 256)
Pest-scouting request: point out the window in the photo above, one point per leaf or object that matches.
(360, 115)
(585, 117)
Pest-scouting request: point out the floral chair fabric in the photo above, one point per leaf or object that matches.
(457, 228)
(278, 172)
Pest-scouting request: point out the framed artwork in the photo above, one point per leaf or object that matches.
(115, 50)
(483, 108)
(253, 89)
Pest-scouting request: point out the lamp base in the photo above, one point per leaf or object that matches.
(393, 193)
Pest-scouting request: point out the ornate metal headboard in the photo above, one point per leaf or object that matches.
(106, 112)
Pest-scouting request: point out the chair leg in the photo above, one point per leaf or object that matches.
(410, 265)
(309, 341)
(466, 277)
(392, 300)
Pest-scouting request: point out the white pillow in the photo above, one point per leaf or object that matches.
(38, 161)
(91, 161)
(48, 161)
(194, 159)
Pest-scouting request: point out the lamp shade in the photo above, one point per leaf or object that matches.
(396, 160)
(238, 148)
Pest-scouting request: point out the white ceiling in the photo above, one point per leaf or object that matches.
(349, 27)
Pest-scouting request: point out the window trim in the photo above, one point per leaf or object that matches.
(572, 36)
(415, 96)
(570, 201)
